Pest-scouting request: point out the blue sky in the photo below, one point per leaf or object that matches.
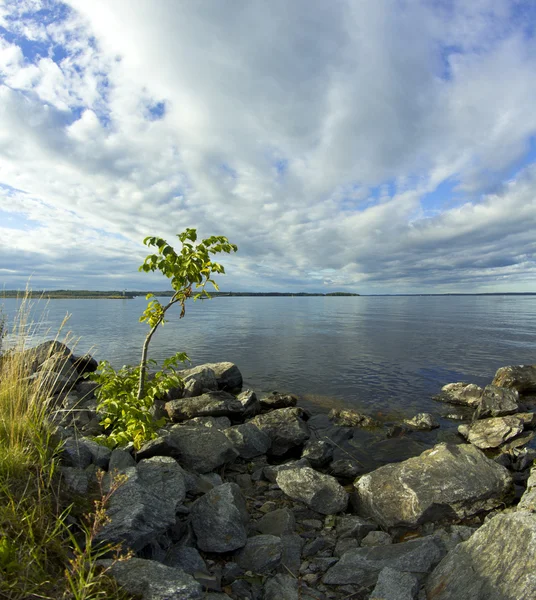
(372, 146)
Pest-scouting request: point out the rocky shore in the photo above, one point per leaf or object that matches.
(247, 497)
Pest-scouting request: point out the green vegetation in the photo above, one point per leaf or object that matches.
(43, 553)
(125, 406)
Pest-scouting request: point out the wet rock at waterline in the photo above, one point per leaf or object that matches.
(447, 482)
(465, 394)
(211, 404)
(497, 402)
(285, 427)
(423, 421)
(493, 432)
(521, 378)
(228, 375)
(351, 418)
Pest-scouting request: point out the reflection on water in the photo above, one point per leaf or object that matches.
(372, 353)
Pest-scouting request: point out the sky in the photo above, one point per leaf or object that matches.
(368, 146)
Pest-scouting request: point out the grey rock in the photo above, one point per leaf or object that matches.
(497, 563)
(227, 374)
(120, 460)
(465, 394)
(76, 480)
(76, 453)
(447, 482)
(376, 538)
(270, 471)
(250, 404)
(84, 364)
(492, 432)
(318, 452)
(60, 367)
(352, 526)
(521, 378)
(198, 380)
(219, 519)
(220, 423)
(528, 500)
(186, 558)
(291, 546)
(423, 421)
(144, 506)
(261, 554)
(497, 402)
(211, 404)
(248, 440)
(285, 427)
(344, 545)
(351, 418)
(395, 585)
(276, 400)
(154, 581)
(86, 389)
(281, 587)
(278, 522)
(320, 492)
(363, 565)
(345, 468)
(100, 455)
(35, 357)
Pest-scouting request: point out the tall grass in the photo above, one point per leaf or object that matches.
(40, 557)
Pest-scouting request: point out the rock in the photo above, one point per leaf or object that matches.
(75, 480)
(291, 553)
(86, 390)
(227, 374)
(423, 421)
(76, 453)
(248, 440)
(528, 500)
(84, 364)
(281, 587)
(153, 580)
(285, 427)
(345, 468)
(261, 554)
(497, 402)
(220, 423)
(320, 492)
(351, 418)
(395, 585)
(197, 381)
(200, 449)
(318, 452)
(219, 519)
(100, 455)
(211, 404)
(270, 471)
(376, 538)
(344, 545)
(352, 526)
(278, 522)
(466, 394)
(120, 460)
(498, 562)
(521, 378)
(363, 565)
(57, 374)
(144, 506)
(491, 433)
(250, 404)
(35, 357)
(186, 558)
(446, 482)
(276, 400)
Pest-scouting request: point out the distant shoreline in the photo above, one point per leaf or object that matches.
(117, 295)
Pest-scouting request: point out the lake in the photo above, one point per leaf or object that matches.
(388, 354)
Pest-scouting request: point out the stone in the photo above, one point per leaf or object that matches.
(344, 545)
(37, 355)
(186, 558)
(261, 554)
(248, 440)
(376, 538)
(120, 460)
(276, 400)
(227, 374)
(144, 505)
(219, 519)
(465, 394)
(351, 418)
(345, 468)
(492, 432)
(521, 378)
(57, 374)
(446, 482)
(352, 526)
(497, 402)
(363, 565)
(197, 381)
(318, 452)
(76, 453)
(528, 500)
(278, 522)
(281, 587)
(84, 364)
(322, 493)
(285, 427)
(498, 562)
(423, 421)
(75, 480)
(270, 471)
(154, 581)
(211, 404)
(291, 553)
(395, 585)
(250, 404)
(100, 455)
(220, 423)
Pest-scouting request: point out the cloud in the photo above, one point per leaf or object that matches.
(317, 138)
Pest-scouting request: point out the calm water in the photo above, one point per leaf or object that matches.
(371, 353)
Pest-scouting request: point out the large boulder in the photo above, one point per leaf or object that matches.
(497, 402)
(144, 506)
(211, 404)
(498, 562)
(493, 432)
(395, 585)
(521, 378)
(285, 427)
(196, 381)
(261, 554)
(277, 400)
(36, 356)
(57, 374)
(446, 482)
(322, 493)
(363, 565)
(227, 374)
(219, 519)
(464, 394)
(248, 440)
(528, 500)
